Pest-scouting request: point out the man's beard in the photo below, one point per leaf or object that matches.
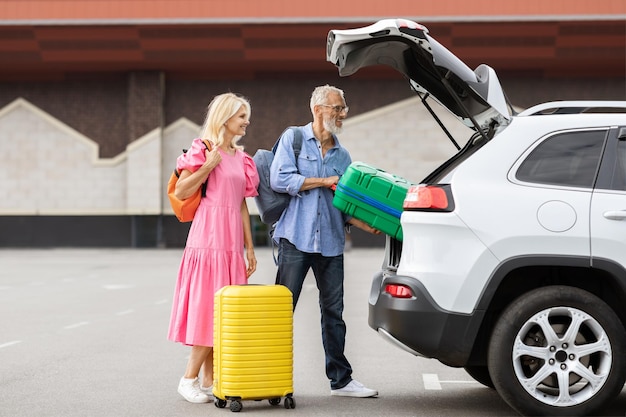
(331, 126)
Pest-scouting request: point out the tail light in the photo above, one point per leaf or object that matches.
(398, 291)
(429, 197)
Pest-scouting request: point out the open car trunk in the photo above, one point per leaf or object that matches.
(475, 97)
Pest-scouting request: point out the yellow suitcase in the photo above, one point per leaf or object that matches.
(253, 345)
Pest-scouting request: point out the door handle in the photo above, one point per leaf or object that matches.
(615, 215)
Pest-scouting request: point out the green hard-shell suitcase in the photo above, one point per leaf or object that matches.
(373, 196)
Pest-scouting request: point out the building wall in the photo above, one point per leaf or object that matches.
(97, 153)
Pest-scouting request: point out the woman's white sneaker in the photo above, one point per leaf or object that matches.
(208, 391)
(190, 390)
(354, 389)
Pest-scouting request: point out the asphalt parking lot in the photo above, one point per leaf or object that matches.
(83, 333)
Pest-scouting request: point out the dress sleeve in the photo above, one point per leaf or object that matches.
(252, 176)
(193, 158)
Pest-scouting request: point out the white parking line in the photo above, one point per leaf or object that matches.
(14, 342)
(75, 325)
(459, 382)
(123, 313)
(164, 301)
(432, 382)
(114, 287)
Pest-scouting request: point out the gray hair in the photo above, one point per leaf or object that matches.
(320, 95)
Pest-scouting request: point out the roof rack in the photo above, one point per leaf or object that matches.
(575, 107)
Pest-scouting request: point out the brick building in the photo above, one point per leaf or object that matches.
(98, 97)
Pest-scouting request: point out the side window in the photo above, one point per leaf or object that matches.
(618, 177)
(568, 159)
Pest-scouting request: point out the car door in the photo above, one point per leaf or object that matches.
(608, 204)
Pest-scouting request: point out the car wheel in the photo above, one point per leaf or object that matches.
(480, 374)
(558, 351)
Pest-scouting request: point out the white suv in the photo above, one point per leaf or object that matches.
(513, 261)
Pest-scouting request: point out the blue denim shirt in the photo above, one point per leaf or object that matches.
(311, 222)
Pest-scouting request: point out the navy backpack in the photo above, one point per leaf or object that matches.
(270, 203)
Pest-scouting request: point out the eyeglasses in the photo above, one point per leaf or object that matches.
(337, 109)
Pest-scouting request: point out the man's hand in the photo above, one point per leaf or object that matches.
(330, 181)
(327, 182)
(364, 226)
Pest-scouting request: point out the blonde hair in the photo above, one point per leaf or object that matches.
(222, 108)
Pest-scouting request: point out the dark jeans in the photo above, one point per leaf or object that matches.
(293, 266)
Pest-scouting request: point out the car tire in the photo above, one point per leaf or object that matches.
(546, 347)
(480, 374)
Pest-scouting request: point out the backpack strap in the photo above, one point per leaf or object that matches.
(297, 143)
(207, 144)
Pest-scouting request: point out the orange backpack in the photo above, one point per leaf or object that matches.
(185, 209)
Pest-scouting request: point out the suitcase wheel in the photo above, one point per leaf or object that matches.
(274, 401)
(219, 403)
(290, 402)
(235, 406)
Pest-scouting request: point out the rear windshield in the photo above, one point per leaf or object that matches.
(472, 145)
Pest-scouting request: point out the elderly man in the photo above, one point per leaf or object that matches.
(310, 233)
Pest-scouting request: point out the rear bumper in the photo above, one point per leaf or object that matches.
(417, 325)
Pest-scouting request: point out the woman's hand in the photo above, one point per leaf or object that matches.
(212, 158)
(251, 257)
(188, 182)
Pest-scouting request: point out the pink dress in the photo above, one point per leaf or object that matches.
(214, 253)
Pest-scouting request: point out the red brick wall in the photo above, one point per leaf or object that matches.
(115, 110)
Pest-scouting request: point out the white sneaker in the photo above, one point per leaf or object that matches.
(354, 389)
(208, 391)
(190, 390)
